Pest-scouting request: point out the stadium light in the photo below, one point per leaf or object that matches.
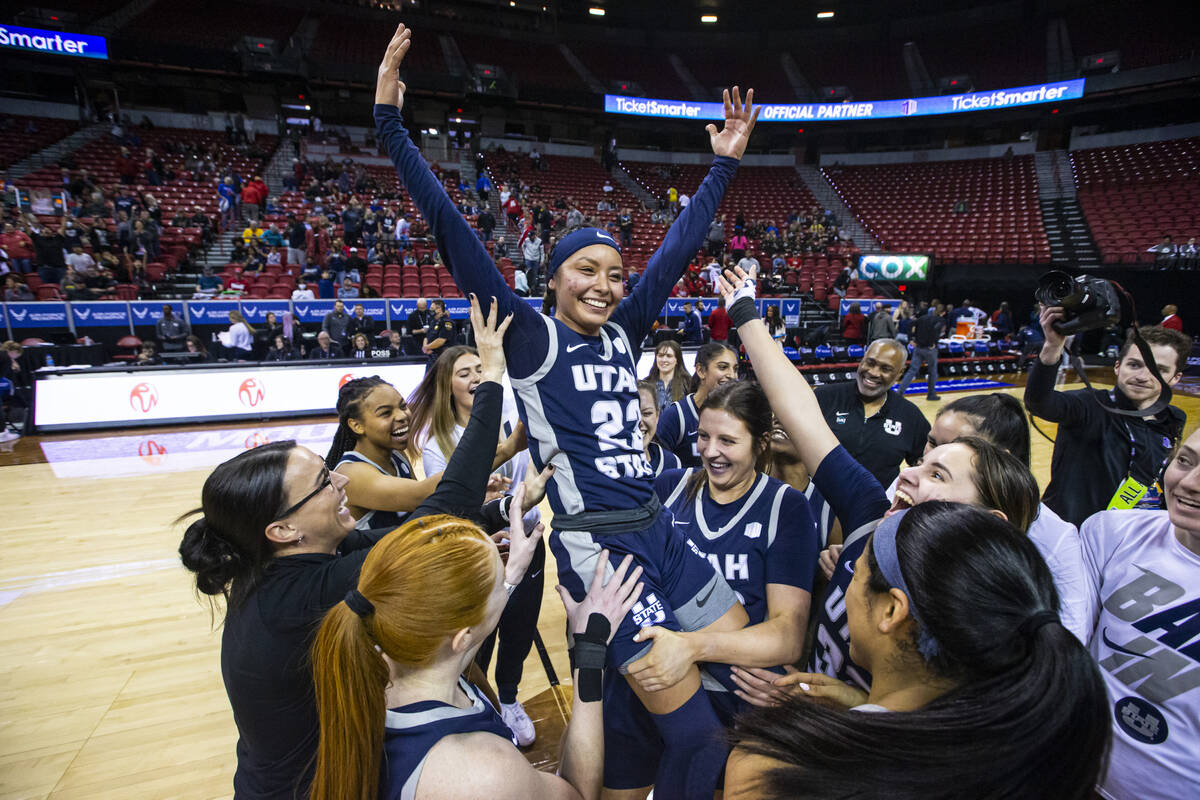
(824, 15)
(708, 18)
(596, 11)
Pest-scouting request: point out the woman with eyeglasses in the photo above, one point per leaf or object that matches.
(277, 542)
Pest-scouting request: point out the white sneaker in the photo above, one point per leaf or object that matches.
(518, 721)
(7, 435)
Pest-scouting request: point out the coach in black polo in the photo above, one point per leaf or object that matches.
(879, 427)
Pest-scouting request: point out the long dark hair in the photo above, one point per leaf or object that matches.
(747, 402)
(704, 357)
(227, 547)
(349, 406)
(997, 417)
(1028, 717)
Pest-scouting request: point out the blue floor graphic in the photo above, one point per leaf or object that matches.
(957, 385)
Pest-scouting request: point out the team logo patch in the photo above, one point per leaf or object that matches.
(648, 611)
(1141, 720)
(892, 426)
(841, 418)
(753, 530)
(143, 397)
(251, 392)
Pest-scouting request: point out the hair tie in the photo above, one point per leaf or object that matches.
(359, 604)
(1034, 622)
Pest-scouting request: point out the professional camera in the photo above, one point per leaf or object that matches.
(1088, 303)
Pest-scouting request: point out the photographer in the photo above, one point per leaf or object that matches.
(1104, 460)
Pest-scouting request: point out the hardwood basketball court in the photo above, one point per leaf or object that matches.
(111, 685)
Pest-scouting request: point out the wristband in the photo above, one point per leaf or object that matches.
(589, 655)
(742, 311)
(505, 507)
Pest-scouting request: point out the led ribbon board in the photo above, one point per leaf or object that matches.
(893, 267)
(878, 109)
(55, 43)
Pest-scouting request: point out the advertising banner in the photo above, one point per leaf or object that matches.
(894, 267)
(195, 394)
(866, 304)
(149, 312)
(45, 314)
(55, 43)
(210, 312)
(101, 314)
(255, 311)
(877, 109)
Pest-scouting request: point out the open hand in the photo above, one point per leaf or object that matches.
(668, 661)
(828, 559)
(521, 545)
(489, 339)
(613, 599)
(535, 484)
(739, 122)
(389, 89)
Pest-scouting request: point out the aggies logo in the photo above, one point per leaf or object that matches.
(143, 397)
(251, 392)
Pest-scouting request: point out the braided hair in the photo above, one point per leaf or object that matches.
(349, 405)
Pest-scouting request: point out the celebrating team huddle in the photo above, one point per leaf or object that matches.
(960, 638)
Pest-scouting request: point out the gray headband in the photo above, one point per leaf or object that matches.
(883, 545)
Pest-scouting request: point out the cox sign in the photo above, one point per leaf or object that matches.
(893, 267)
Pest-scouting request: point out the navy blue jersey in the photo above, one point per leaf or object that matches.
(380, 519)
(765, 536)
(822, 514)
(677, 428)
(661, 460)
(576, 394)
(859, 503)
(411, 732)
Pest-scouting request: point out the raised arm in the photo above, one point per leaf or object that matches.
(791, 397)
(465, 256)
(690, 229)
(1040, 396)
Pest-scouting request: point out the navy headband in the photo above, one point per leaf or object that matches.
(575, 241)
(883, 545)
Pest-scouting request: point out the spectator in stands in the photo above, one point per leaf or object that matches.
(395, 348)
(438, 335)
(226, 202)
(19, 247)
(737, 246)
(483, 186)
(574, 217)
(271, 236)
(775, 324)
(127, 167)
(252, 233)
(147, 357)
(49, 243)
(360, 322)
(297, 241)
(749, 264)
(673, 200)
(778, 264)
(353, 267)
(880, 428)
(302, 292)
(854, 324)
(512, 208)
(15, 290)
(280, 350)
(172, 332)
(80, 261)
(237, 343)
(18, 374)
(195, 349)
(715, 241)
(326, 347)
(882, 326)
(250, 201)
(325, 286)
(263, 193)
(1166, 250)
(1171, 318)
(691, 325)
(1104, 460)
(486, 224)
(337, 322)
(533, 253)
